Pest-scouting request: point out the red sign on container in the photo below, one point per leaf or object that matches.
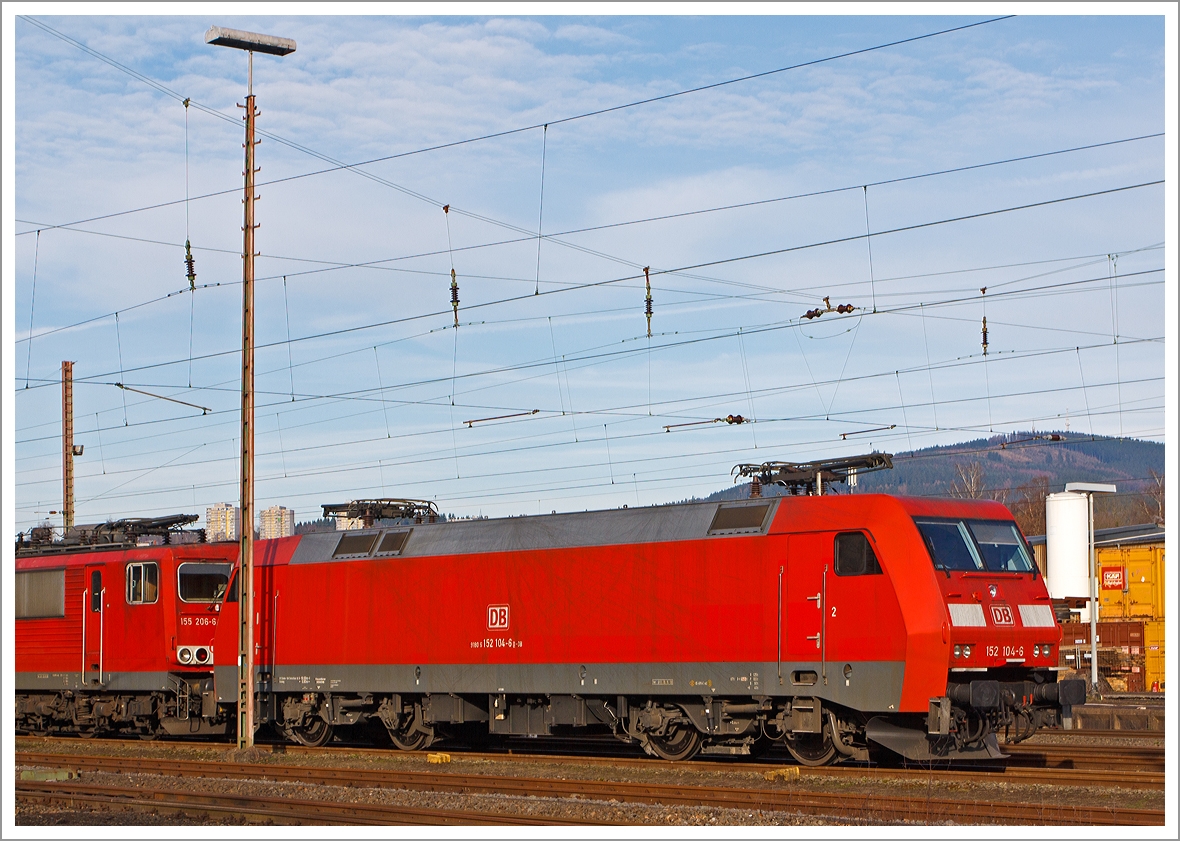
(1113, 578)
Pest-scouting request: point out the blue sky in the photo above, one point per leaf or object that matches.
(371, 396)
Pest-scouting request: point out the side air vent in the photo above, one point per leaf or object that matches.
(392, 543)
(355, 545)
(741, 519)
(41, 594)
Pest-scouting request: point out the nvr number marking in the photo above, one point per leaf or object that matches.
(497, 617)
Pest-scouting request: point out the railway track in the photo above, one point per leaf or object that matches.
(1094, 733)
(839, 805)
(1138, 766)
(272, 809)
(1055, 776)
(1122, 757)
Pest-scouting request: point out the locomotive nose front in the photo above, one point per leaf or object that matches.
(200, 587)
(1003, 637)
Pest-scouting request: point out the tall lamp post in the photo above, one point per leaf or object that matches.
(1089, 489)
(252, 42)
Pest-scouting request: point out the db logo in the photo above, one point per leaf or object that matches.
(1001, 614)
(497, 617)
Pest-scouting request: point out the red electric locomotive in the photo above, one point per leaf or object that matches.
(828, 623)
(116, 637)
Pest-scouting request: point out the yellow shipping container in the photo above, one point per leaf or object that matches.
(1131, 582)
(1153, 646)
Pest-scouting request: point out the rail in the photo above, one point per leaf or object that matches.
(836, 805)
(274, 809)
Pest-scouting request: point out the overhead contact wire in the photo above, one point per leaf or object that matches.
(1113, 276)
(119, 342)
(32, 306)
(541, 206)
(290, 359)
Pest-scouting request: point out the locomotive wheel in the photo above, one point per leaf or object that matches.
(812, 748)
(407, 739)
(679, 744)
(313, 735)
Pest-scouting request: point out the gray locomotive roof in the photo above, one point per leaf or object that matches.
(550, 531)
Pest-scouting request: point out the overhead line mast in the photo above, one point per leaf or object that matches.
(251, 42)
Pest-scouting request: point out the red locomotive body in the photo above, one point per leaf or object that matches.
(830, 623)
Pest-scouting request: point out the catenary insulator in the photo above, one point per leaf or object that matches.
(455, 296)
(647, 300)
(190, 265)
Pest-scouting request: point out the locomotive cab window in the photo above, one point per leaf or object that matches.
(950, 545)
(202, 582)
(855, 555)
(1001, 546)
(976, 545)
(143, 583)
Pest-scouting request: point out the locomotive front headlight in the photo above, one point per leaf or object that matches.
(1046, 648)
(966, 651)
(958, 651)
(184, 655)
(1036, 651)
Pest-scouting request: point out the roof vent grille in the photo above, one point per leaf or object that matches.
(740, 519)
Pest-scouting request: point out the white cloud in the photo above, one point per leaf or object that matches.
(594, 36)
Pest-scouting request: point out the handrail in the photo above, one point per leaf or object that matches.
(85, 597)
(274, 637)
(823, 627)
(780, 626)
(101, 616)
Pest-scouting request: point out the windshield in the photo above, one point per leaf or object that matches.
(975, 545)
(1001, 545)
(950, 545)
(203, 582)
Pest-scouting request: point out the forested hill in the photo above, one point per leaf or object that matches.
(1126, 462)
(1004, 466)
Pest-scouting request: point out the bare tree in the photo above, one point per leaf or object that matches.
(1029, 505)
(1152, 501)
(968, 482)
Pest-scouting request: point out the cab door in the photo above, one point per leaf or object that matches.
(93, 601)
(809, 564)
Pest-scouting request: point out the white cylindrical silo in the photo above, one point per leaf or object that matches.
(1067, 546)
